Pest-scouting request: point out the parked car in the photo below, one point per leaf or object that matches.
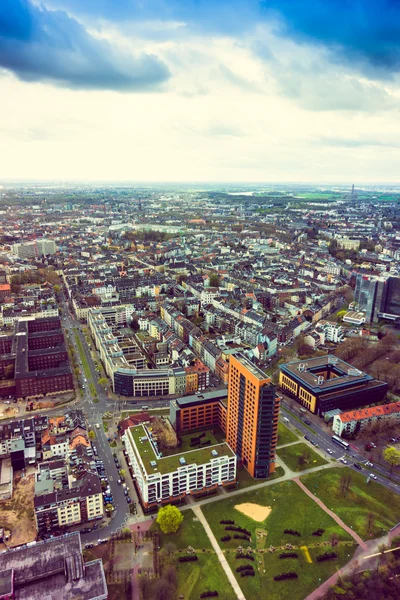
(307, 438)
(87, 546)
(119, 482)
(128, 499)
(373, 476)
(86, 530)
(369, 464)
(357, 466)
(126, 492)
(329, 451)
(97, 426)
(343, 460)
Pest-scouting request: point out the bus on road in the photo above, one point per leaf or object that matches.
(338, 440)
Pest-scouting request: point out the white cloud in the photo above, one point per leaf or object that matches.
(260, 109)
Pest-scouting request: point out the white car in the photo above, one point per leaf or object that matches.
(343, 460)
(97, 426)
(329, 451)
(373, 476)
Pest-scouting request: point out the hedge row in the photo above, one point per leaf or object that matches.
(326, 556)
(291, 532)
(282, 576)
(213, 594)
(288, 555)
(319, 532)
(239, 529)
(237, 536)
(225, 538)
(191, 558)
(247, 556)
(226, 522)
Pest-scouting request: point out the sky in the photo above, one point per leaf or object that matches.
(200, 90)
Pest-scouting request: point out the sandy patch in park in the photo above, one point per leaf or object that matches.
(254, 511)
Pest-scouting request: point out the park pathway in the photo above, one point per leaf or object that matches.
(361, 560)
(224, 563)
(338, 520)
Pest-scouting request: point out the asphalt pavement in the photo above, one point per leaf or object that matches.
(324, 440)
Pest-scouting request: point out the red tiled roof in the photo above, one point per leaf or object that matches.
(366, 413)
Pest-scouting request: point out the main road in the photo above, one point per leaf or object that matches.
(316, 433)
(94, 412)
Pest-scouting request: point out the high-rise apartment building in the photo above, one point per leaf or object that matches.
(252, 416)
(378, 297)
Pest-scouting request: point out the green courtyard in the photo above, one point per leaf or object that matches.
(300, 457)
(369, 508)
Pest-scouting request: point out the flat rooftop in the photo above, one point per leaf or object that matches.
(55, 587)
(325, 374)
(199, 398)
(172, 462)
(39, 571)
(254, 370)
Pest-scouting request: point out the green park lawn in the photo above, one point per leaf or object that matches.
(291, 509)
(190, 533)
(205, 574)
(362, 500)
(285, 436)
(291, 455)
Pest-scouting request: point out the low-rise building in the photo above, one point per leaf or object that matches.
(350, 421)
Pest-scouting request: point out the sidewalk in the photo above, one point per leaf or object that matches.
(224, 563)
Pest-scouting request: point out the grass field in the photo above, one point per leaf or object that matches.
(245, 480)
(291, 509)
(291, 454)
(190, 533)
(285, 436)
(85, 365)
(362, 500)
(204, 575)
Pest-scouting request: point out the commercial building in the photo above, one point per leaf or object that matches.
(252, 416)
(198, 411)
(35, 248)
(349, 422)
(378, 297)
(325, 383)
(51, 569)
(164, 479)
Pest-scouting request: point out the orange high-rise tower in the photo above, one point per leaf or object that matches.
(252, 416)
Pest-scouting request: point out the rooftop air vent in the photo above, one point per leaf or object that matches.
(182, 460)
(214, 452)
(153, 463)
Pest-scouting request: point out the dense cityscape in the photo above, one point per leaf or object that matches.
(168, 349)
(199, 300)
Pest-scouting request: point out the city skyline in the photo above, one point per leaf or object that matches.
(185, 91)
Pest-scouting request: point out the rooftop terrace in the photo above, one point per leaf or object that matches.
(172, 462)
